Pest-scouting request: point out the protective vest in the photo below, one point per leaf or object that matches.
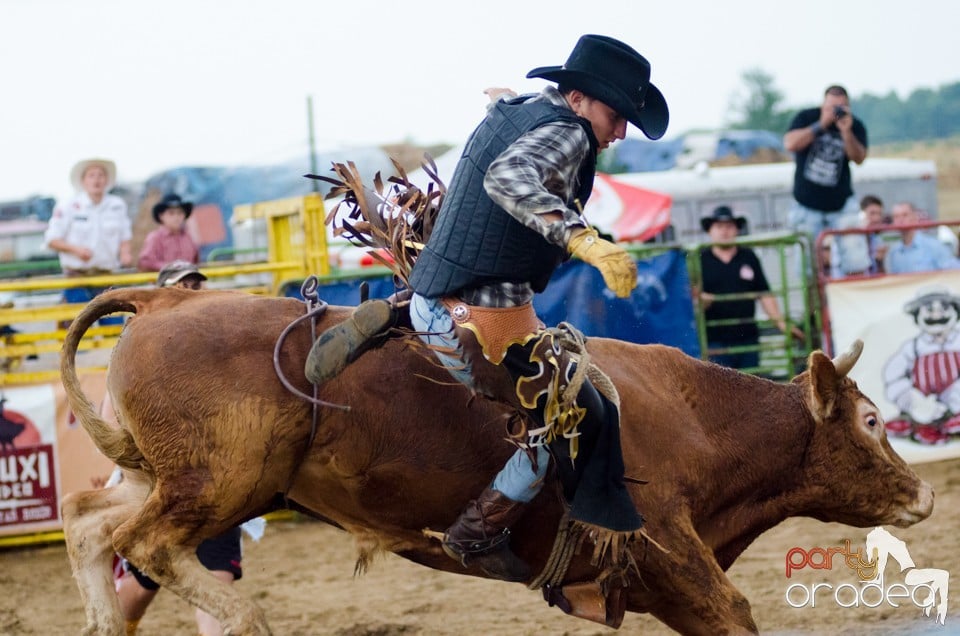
(476, 242)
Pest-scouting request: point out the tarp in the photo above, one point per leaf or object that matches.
(641, 155)
(873, 310)
(658, 311)
(214, 190)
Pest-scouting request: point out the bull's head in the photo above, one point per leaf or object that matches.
(856, 477)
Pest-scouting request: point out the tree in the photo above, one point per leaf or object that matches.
(759, 108)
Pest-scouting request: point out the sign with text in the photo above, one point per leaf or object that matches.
(44, 454)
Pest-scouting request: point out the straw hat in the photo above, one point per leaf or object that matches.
(76, 173)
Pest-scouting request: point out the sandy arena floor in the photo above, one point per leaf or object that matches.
(301, 574)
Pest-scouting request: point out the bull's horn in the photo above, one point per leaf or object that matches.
(845, 361)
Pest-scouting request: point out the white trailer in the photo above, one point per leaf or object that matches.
(764, 192)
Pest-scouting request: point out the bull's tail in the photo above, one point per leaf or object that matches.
(116, 443)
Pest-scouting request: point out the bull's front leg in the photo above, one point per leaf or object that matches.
(686, 588)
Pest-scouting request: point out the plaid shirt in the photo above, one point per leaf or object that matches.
(535, 175)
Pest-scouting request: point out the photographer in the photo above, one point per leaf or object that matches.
(824, 140)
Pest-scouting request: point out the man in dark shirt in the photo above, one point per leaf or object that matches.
(729, 269)
(825, 140)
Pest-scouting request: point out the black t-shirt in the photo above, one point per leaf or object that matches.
(822, 178)
(742, 274)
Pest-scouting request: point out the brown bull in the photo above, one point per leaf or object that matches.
(210, 437)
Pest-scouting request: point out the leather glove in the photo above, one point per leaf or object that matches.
(617, 267)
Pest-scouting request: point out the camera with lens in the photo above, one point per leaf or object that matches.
(839, 111)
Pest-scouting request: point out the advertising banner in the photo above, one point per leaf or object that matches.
(910, 366)
(44, 454)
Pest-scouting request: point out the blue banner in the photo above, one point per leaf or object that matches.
(658, 311)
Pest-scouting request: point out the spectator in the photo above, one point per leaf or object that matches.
(916, 251)
(729, 269)
(870, 247)
(91, 232)
(181, 274)
(872, 216)
(824, 141)
(169, 242)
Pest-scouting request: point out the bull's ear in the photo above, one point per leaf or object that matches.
(824, 385)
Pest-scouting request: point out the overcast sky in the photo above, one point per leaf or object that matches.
(155, 85)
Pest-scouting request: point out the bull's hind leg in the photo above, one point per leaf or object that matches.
(163, 545)
(89, 519)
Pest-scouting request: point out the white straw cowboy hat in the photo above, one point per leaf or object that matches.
(76, 173)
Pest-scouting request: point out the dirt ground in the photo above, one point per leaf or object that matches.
(301, 574)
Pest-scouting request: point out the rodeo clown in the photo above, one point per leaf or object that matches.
(511, 215)
(923, 377)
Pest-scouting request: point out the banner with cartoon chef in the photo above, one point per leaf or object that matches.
(910, 366)
(44, 454)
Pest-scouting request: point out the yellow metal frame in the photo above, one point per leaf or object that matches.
(295, 234)
(297, 248)
(56, 536)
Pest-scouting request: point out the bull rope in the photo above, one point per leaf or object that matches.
(570, 534)
(573, 340)
(565, 545)
(315, 307)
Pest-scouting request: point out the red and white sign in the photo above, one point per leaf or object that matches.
(43, 456)
(28, 486)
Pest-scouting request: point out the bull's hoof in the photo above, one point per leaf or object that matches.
(340, 345)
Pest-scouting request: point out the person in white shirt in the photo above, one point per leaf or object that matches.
(91, 231)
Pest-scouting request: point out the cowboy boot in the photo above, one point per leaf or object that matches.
(481, 536)
(340, 345)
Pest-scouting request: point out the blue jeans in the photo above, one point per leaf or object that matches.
(849, 254)
(517, 479)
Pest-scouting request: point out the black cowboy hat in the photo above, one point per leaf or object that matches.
(612, 72)
(722, 213)
(171, 201)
